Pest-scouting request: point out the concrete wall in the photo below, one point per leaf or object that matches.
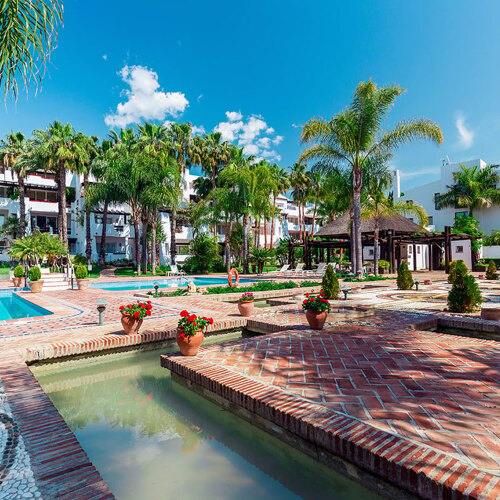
(461, 250)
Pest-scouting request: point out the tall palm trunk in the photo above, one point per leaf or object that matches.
(265, 233)
(358, 251)
(102, 246)
(145, 242)
(88, 234)
(22, 205)
(173, 230)
(152, 253)
(376, 231)
(300, 226)
(227, 247)
(246, 221)
(137, 245)
(271, 243)
(314, 217)
(62, 217)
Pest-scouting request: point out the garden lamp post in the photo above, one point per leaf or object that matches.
(417, 282)
(156, 286)
(345, 291)
(101, 307)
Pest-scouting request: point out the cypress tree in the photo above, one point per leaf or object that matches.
(405, 278)
(330, 284)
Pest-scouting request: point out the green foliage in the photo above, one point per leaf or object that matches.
(79, 260)
(204, 255)
(405, 278)
(453, 270)
(317, 303)
(34, 273)
(464, 296)
(307, 283)
(330, 284)
(261, 256)
(18, 272)
(493, 239)
(351, 279)
(37, 246)
(259, 286)
(467, 224)
(491, 272)
(81, 272)
(384, 264)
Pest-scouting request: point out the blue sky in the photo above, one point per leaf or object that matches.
(271, 65)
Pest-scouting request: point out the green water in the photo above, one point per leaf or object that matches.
(151, 438)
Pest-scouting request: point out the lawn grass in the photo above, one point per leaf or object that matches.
(4, 270)
(130, 272)
(96, 271)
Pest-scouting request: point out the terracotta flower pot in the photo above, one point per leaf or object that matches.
(246, 308)
(481, 276)
(316, 320)
(427, 282)
(36, 286)
(130, 324)
(18, 282)
(190, 344)
(82, 284)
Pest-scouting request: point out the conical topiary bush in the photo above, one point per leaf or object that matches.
(330, 284)
(405, 278)
(491, 272)
(464, 296)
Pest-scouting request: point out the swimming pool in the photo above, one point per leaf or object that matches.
(13, 307)
(170, 283)
(151, 438)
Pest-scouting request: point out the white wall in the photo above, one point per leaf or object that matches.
(492, 252)
(461, 250)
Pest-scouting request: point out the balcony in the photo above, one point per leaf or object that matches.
(118, 230)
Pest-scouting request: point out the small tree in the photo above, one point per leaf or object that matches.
(330, 284)
(464, 295)
(491, 272)
(81, 272)
(405, 278)
(452, 273)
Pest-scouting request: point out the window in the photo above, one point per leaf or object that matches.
(418, 249)
(431, 220)
(182, 249)
(458, 214)
(436, 205)
(410, 250)
(460, 249)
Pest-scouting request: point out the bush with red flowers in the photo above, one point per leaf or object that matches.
(316, 303)
(138, 310)
(190, 323)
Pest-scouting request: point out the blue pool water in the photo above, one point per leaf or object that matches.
(170, 283)
(14, 307)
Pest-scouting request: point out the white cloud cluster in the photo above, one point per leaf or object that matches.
(465, 134)
(252, 134)
(144, 99)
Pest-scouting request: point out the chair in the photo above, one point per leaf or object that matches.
(321, 269)
(175, 271)
(278, 271)
(299, 269)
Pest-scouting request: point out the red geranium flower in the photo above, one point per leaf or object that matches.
(149, 302)
(121, 308)
(184, 313)
(182, 336)
(305, 302)
(211, 321)
(148, 313)
(137, 314)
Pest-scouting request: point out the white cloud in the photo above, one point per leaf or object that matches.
(195, 130)
(295, 125)
(251, 133)
(199, 97)
(105, 57)
(234, 116)
(465, 134)
(144, 99)
(418, 172)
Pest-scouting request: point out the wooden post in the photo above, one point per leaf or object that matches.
(414, 257)
(431, 256)
(447, 248)
(328, 254)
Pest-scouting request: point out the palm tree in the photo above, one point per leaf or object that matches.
(299, 183)
(378, 205)
(212, 154)
(316, 191)
(57, 150)
(12, 155)
(280, 183)
(472, 188)
(354, 136)
(28, 33)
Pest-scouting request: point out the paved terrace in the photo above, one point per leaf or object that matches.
(410, 395)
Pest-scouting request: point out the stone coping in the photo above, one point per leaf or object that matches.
(419, 469)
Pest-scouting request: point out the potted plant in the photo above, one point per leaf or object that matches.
(317, 309)
(35, 283)
(245, 304)
(81, 275)
(383, 266)
(18, 276)
(190, 332)
(133, 315)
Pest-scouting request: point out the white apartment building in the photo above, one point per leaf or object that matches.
(42, 211)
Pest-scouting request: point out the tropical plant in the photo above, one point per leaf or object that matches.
(11, 227)
(405, 278)
(354, 137)
(467, 224)
(330, 284)
(13, 151)
(190, 323)
(261, 256)
(464, 296)
(81, 272)
(493, 239)
(491, 272)
(34, 273)
(28, 33)
(204, 254)
(384, 264)
(33, 248)
(472, 188)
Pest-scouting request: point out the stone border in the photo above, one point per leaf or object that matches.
(418, 469)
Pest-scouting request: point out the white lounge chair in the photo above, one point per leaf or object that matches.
(320, 270)
(299, 269)
(283, 269)
(175, 271)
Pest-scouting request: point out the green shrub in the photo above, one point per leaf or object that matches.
(330, 284)
(34, 273)
(405, 278)
(384, 264)
(306, 283)
(18, 272)
(464, 295)
(259, 286)
(81, 272)
(491, 272)
(452, 273)
(79, 260)
(204, 255)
